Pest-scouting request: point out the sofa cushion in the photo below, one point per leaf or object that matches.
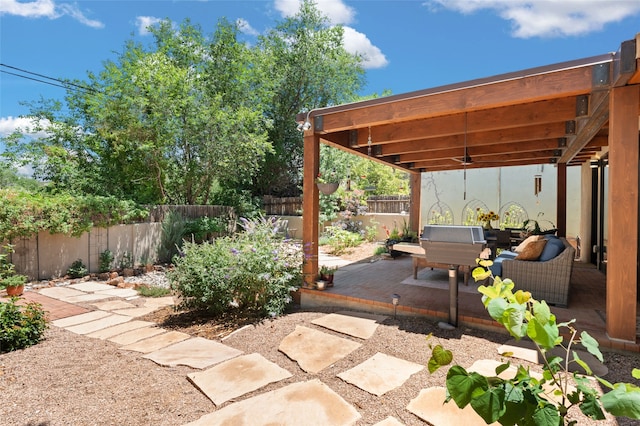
(496, 268)
(526, 242)
(532, 251)
(554, 247)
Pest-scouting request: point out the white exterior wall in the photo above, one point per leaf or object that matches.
(496, 187)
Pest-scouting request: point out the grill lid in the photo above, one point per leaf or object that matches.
(453, 234)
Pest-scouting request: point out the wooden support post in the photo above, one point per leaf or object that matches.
(414, 207)
(310, 207)
(561, 200)
(622, 244)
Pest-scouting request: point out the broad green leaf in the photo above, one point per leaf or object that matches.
(484, 262)
(591, 408)
(605, 382)
(623, 400)
(490, 405)
(544, 335)
(636, 373)
(522, 297)
(461, 385)
(515, 320)
(546, 415)
(496, 308)
(591, 344)
(542, 312)
(439, 358)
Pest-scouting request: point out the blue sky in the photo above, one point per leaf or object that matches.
(409, 45)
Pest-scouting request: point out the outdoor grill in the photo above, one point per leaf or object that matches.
(454, 246)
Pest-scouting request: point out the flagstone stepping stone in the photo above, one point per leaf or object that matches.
(105, 333)
(113, 304)
(429, 405)
(119, 292)
(79, 319)
(314, 350)
(237, 377)
(157, 342)
(134, 312)
(389, 421)
(60, 292)
(197, 353)
(309, 403)
(85, 298)
(136, 335)
(354, 324)
(158, 302)
(526, 350)
(90, 286)
(380, 373)
(91, 326)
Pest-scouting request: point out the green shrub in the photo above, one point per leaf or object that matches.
(106, 258)
(255, 270)
(204, 228)
(340, 240)
(77, 269)
(20, 325)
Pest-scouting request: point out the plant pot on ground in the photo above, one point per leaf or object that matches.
(326, 274)
(14, 285)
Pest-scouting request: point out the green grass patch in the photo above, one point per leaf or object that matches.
(152, 291)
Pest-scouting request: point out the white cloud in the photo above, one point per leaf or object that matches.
(549, 18)
(335, 10)
(10, 124)
(144, 22)
(246, 28)
(358, 43)
(46, 9)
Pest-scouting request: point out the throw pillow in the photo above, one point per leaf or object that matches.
(526, 242)
(532, 251)
(554, 247)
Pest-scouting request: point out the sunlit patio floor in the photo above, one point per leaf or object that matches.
(369, 286)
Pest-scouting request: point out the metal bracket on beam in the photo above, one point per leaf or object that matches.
(318, 123)
(570, 127)
(553, 160)
(422, 170)
(582, 106)
(562, 142)
(409, 165)
(395, 159)
(624, 63)
(601, 75)
(377, 150)
(353, 138)
(557, 153)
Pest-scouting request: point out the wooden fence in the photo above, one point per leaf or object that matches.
(157, 213)
(292, 206)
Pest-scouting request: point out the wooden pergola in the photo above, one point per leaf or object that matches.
(563, 114)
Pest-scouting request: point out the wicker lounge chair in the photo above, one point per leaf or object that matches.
(548, 280)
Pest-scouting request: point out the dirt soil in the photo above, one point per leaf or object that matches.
(69, 379)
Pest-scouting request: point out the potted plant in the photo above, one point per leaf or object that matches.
(14, 284)
(533, 227)
(327, 185)
(326, 274)
(9, 280)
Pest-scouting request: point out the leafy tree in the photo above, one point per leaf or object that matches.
(151, 126)
(308, 68)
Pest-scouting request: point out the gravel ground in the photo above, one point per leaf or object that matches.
(69, 379)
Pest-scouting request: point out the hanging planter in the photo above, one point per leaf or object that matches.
(328, 188)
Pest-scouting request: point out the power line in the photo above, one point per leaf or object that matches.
(64, 84)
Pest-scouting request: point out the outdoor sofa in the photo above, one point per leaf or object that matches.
(547, 278)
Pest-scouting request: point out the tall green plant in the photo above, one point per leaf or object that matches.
(520, 400)
(171, 241)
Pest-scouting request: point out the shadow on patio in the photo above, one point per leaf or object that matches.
(369, 285)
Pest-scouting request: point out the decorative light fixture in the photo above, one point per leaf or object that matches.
(369, 143)
(537, 184)
(303, 127)
(395, 299)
